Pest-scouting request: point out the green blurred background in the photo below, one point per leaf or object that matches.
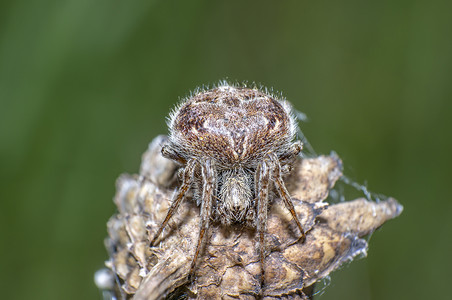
(85, 85)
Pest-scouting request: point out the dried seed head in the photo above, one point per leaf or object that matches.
(228, 267)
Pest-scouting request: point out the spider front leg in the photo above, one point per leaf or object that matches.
(282, 190)
(186, 183)
(169, 152)
(208, 191)
(287, 159)
(262, 182)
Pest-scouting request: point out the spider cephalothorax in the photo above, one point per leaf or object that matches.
(234, 144)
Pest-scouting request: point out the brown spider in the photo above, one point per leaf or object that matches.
(232, 143)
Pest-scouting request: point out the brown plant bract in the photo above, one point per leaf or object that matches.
(228, 266)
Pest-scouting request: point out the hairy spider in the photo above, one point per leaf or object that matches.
(233, 143)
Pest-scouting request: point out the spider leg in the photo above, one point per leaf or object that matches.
(262, 183)
(208, 191)
(170, 153)
(289, 156)
(187, 181)
(286, 196)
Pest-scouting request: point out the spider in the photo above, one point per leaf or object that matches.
(234, 144)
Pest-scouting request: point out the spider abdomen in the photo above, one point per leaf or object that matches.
(235, 127)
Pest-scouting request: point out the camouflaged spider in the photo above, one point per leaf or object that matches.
(233, 143)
